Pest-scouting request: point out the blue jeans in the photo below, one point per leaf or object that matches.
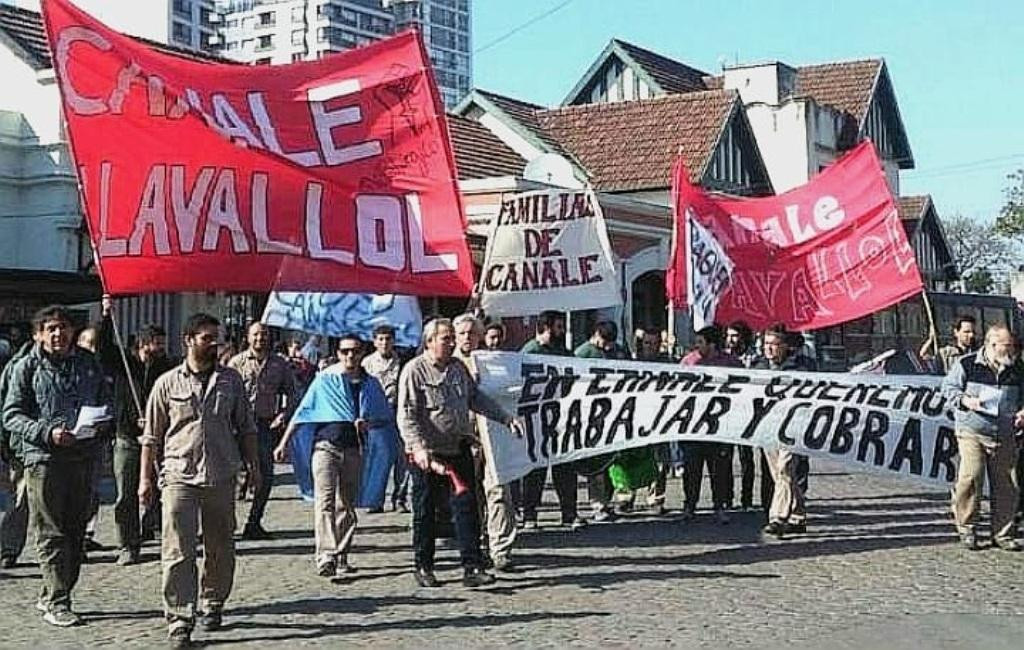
(265, 451)
(427, 489)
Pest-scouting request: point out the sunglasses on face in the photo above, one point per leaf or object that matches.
(347, 351)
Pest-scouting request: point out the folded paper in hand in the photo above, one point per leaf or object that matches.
(989, 398)
(89, 417)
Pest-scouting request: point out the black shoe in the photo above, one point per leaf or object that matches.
(426, 578)
(327, 569)
(375, 511)
(474, 577)
(969, 541)
(776, 528)
(402, 507)
(179, 638)
(8, 562)
(210, 621)
(796, 529)
(343, 568)
(90, 545)
(255, 532)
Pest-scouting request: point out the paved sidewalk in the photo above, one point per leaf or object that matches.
(879, 567)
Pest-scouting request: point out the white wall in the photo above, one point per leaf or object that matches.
(758, 83)
(39, 208)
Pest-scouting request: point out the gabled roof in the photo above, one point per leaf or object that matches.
(628, 146)
(24, 29)
(520, 116)
(918, 212)
(479, 153)
(846, 86)
(662, 74)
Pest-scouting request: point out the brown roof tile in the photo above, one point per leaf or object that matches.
(911, 208)
(671, 75)
(632, 145)
(846, 86)
(526, 114)
(25, 27)
(479, 153)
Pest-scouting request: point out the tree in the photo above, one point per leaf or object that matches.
(1010, 222)
(981, 253)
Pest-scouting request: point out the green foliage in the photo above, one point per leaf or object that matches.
(1010, 222)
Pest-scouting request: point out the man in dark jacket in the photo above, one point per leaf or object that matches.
(49, 388)
(14, 521)
(145, 363)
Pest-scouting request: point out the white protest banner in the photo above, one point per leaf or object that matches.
(709, 274)
(573, 408)
(549, 249)
(334, 314)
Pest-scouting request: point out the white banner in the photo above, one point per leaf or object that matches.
(548, 250)
(334, 314)
(709, 274)
(574, 408)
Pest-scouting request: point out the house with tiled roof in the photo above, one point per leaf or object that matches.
(626, 152)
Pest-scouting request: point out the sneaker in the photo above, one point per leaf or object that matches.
(344, 568)
(327, 568)
(210, 621)
(426, 578)
(504, 564)
(61, 617)
(776, 528)
(721, 517)
(530, 524)
(127, 557)
(578, 523)
(41, 606)
(1011, 545)
(255, 532)
(179, 637)
(375, 511)
(603, 515)
(969, 540)
(474, 577)
(8, 562)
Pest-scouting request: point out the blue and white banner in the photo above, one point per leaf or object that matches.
(334, 314)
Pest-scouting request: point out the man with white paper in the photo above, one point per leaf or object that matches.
(987, 387)
(49, 388)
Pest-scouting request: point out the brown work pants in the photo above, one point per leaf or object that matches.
(183, 507)
(995, 456)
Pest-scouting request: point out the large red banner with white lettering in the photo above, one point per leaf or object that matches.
(199, 175)
(827, 252)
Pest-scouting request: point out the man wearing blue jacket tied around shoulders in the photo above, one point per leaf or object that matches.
(343, 405)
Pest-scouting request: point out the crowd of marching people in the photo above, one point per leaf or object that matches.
(370, 427)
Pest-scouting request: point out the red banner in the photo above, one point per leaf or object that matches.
(330, 175)
(827, 252)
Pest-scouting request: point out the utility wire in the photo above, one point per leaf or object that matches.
(515, 30)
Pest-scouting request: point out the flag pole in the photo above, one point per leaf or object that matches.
(933, 332)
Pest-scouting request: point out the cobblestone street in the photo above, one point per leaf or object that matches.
(879, 567)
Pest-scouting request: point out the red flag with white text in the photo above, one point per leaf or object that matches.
(198, 175)
(827, 252)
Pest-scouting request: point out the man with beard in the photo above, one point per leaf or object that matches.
(131, 390)
(197, 417)
(270, 385)
(987, 389)
(964, 335)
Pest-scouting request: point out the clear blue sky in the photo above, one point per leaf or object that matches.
(957, 67)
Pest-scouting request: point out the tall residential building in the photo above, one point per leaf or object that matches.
(283, 31)
(445, 25)
(190, 24)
